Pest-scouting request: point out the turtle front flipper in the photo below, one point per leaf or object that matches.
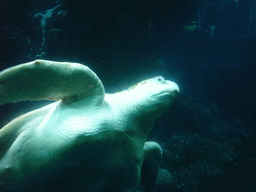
(49, 80)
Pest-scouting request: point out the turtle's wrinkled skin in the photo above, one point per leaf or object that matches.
(87, 140)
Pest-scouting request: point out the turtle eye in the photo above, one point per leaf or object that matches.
(160, 79)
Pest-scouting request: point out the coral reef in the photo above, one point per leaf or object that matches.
(190, 160)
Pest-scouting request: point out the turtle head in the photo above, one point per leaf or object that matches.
(153, 96)
(149, 99)
(142, 103)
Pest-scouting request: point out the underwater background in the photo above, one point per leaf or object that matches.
(207, 47)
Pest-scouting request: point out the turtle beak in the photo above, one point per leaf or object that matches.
(174, 88)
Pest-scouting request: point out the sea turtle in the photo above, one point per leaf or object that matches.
(87, 140)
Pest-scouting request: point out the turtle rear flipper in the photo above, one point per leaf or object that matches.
(48, 80)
